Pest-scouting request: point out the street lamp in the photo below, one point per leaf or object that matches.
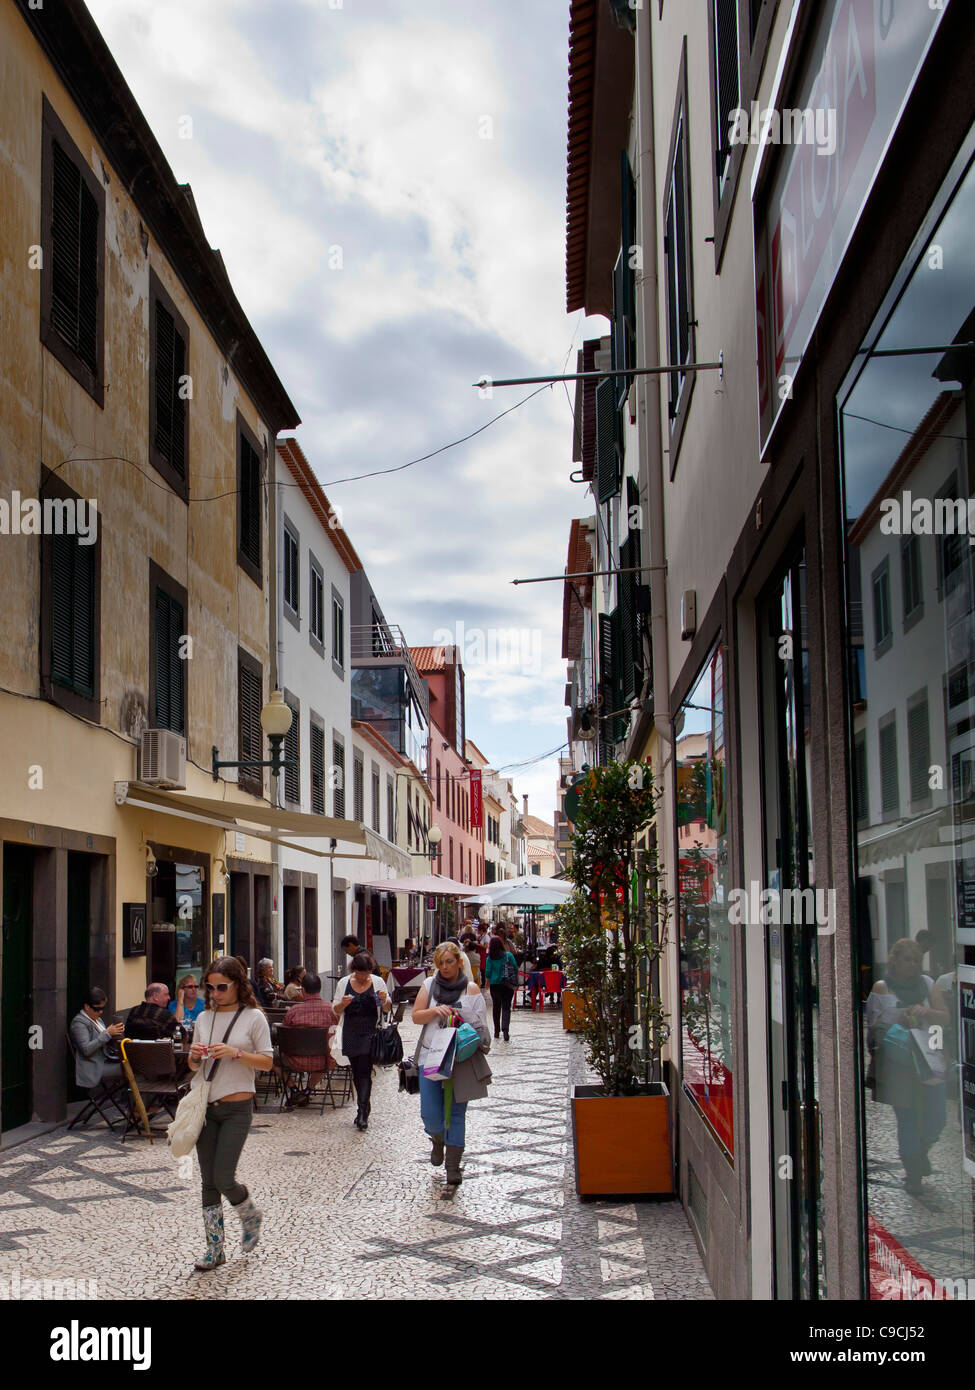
(275, 721)
(434, 836)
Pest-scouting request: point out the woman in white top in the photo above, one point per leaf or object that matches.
(233, 1033)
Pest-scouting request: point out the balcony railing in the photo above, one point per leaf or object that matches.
(381, 643)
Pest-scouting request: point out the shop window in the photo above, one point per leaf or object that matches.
(904, 431)
(704, 940)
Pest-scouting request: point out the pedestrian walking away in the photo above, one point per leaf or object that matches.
(443, 1104)
(501, 973)
(358, 1000)
(231, 1041)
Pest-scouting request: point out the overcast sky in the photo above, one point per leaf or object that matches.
(426, 140)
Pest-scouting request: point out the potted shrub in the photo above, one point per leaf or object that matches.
(612, 934)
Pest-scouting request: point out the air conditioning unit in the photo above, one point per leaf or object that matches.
(162, 759)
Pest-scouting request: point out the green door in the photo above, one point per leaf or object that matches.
(15, 1002)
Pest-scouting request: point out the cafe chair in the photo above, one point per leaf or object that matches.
(553, 984)
(302, 1042)
(151, 1071)
(100, 1098)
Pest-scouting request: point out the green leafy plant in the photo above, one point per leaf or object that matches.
(612, 931)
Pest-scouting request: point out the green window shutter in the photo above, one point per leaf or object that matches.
(74, 255)
(292, 753)
(628, 620)
(169, 697)
(73, 614)
(607, 427)
(250, 503)
(249, 732)
(317, 769)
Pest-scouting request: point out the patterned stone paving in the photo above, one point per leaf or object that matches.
(350, 1215)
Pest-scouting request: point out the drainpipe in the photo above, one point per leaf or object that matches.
(652, 471)
(276, 653)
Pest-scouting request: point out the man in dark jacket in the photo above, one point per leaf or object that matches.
(152, 1020)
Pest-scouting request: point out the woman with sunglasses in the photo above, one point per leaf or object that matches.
(189, 1003)
(234, 1033)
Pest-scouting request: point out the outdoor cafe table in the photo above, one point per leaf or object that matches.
(537, 981)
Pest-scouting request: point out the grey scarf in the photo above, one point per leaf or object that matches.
(449, 991)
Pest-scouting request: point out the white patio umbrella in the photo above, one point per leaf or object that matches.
(488, 893)
(530, 895)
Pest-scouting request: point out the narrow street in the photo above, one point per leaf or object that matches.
(356, 1216)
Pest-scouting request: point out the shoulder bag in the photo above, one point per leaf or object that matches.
(387, 1045)
(409, 1067)
(187, 1124)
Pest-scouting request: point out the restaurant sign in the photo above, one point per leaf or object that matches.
(863, 60)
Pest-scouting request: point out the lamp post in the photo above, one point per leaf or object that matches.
(276, 722)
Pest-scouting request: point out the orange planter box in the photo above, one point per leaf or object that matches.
(622, 1143)
(573, 1010)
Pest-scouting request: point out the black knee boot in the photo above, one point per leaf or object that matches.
(364, 1094)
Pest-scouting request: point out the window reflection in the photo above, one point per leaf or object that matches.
(704, 939)
(904, 432)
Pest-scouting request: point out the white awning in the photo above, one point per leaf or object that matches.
(264, 822)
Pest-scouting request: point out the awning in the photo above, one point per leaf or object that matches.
(923, 832)
(433, 884)
(263, 822)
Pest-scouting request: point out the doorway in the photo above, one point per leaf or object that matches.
(79, 945)
(791, 936)
(16, 1096)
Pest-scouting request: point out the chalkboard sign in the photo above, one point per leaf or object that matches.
(133, 929)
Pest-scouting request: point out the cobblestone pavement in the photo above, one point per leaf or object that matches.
(352, 1215)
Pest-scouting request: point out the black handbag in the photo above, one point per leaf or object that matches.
(387, 1046)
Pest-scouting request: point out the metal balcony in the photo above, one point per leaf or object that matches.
(382, 644)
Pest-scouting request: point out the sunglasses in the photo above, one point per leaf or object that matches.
(217, 989)
(97, 1008)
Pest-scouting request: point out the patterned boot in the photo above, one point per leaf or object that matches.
(436, 1154)
(213, 1224)
(454, 1155)
(250, 1221)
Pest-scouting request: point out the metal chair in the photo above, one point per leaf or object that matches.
(101, 1095)
(151, 1071)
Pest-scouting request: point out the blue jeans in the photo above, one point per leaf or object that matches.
(431, 1112)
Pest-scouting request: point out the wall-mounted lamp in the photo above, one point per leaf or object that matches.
(275, 721)
(152, 868)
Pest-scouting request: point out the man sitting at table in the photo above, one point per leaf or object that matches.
(312, 1012)
(151, 1020)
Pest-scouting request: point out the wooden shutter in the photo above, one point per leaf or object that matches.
(358, 791)
(919, 749)
(726, 72)
(889, 792)
(74, 255)
(73, 614)
(170, 365)
(250, 736)
(292, 753)
(589, 412)
(860, 789)
(317, 736)
(169, 694)
(607, 464)
(250, 502)
(338, 791)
